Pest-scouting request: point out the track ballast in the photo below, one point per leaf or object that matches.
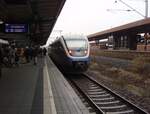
(102, 99)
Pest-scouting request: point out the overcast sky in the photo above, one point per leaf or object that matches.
(90, 16)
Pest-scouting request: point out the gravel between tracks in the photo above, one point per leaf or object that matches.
(143, 102)
(119, 63)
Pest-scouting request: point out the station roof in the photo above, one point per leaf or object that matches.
(41, 16)
(137, 27)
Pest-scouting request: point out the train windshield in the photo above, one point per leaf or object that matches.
(77, 43)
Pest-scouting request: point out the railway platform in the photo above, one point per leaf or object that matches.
(40, 89)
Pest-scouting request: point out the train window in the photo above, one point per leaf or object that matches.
(76, 43)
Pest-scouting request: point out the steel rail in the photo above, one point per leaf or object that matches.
(131, 108)
(88, 99)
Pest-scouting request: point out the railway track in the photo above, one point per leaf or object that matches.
(102, 99)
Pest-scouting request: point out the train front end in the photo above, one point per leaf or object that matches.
(78, 54)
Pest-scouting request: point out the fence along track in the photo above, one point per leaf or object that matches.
(130, 52)
(103, 99)
(124, 54)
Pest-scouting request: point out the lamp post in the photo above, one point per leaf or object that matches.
(146, 8)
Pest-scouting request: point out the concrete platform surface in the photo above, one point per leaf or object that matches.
(65, 99)
(23, 90)
(40, 89)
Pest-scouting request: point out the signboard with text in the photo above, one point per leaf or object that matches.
(16, 28)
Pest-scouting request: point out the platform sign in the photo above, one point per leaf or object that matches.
(16, 28)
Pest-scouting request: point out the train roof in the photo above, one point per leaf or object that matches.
(70, 37)
(74, 37)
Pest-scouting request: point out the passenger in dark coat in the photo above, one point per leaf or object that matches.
(44, 51)
(27, 54)
(31, 53)
(35, 54)
(1, 58)
(17, 53)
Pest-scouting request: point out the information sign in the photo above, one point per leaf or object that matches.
(16, 28)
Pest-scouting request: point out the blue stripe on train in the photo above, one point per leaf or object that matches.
(79, 59)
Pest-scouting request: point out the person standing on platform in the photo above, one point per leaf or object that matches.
(35, 54)
(30, 53)
(22, 55)
(44, 51)
(17, 56)
(1, 58)
(12, 55)
(26, 53)
(146, 37)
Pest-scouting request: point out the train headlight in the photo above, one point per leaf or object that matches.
(85, 52)
(70, 52)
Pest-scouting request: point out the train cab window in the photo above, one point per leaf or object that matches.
(76, 43)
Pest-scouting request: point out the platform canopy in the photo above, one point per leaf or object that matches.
(37, 18)
(136, 27)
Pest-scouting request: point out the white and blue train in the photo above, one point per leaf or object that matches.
(71, 53)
